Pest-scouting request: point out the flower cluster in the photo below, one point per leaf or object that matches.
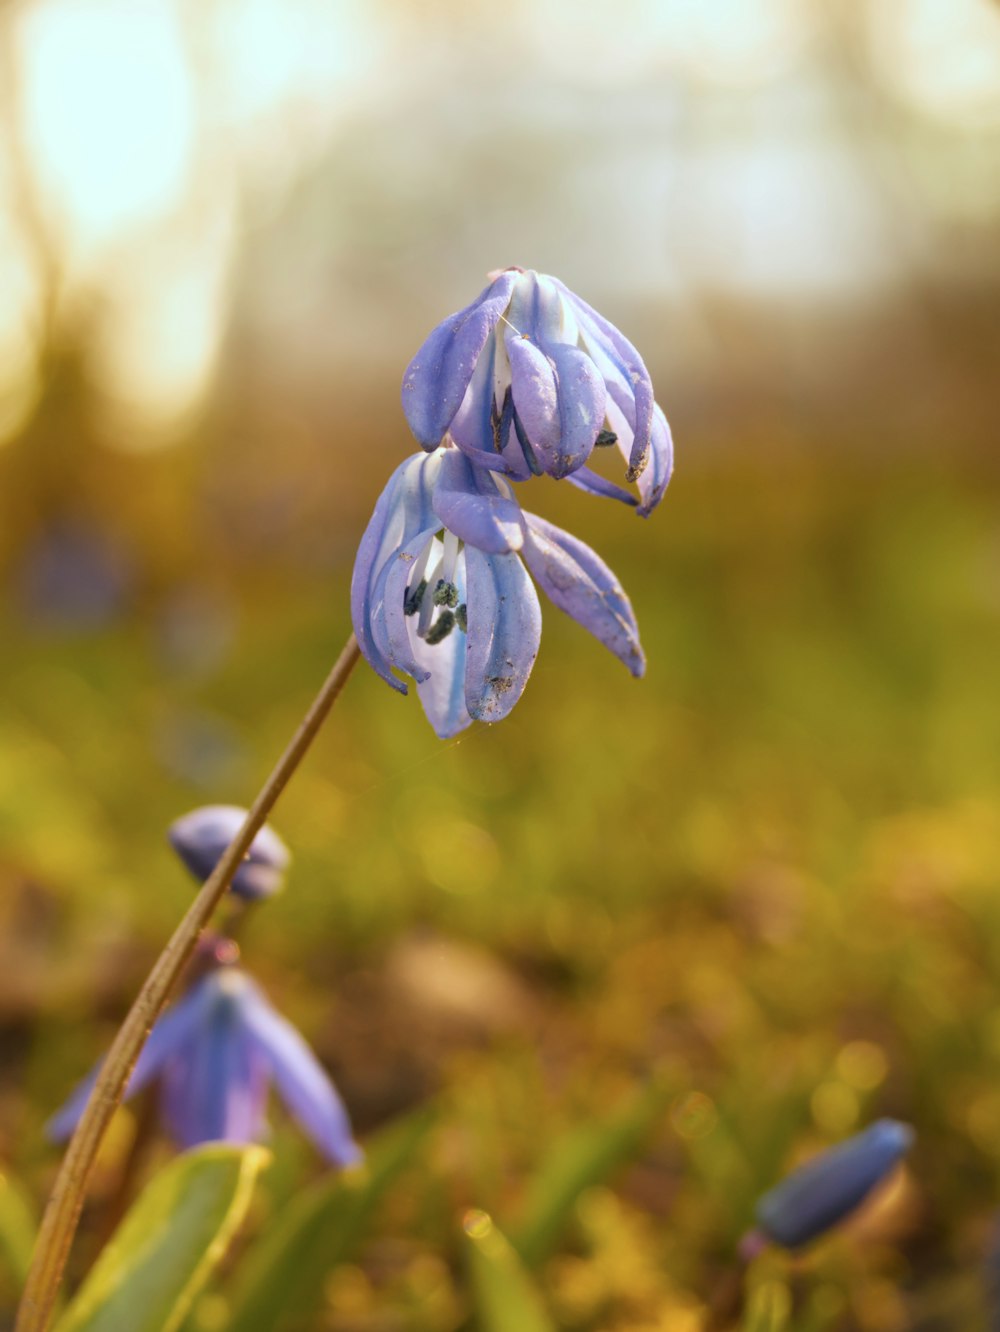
(530, 379)
(527, 380)
(214, 1055)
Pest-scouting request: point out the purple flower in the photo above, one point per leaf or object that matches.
(530, 379)
(201, 837)
(214, 1055)
(441, 592)
(828, 1188)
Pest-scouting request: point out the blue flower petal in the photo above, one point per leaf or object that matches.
(479, 428)
(828, 1188)
(403, 510)
(582, 402)
(505, 629)
(536, 399)
(442, 694)
(216, 1091)
(579, 582)
(655, 479)
(384, 527)
(442, 665)
(558, 392)
(469, 503)
(171, 1030)
(597, 329)
(399, 643)
(66, 1118)
(620, 402)
(593, 484)
(436, 380)
(301, 1080)
(580, 390)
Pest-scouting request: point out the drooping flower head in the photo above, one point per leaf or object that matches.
(215, 1054)
(201, 838)
(441, 589)
(530, 379)
(830, 1187)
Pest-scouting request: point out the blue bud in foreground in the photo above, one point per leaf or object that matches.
(201, 837)
(831, 1186)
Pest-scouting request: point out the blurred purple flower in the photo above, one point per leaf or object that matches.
(828, 1188)
(214, 1055)
(201, 837)
(440, 590)
(530, 379)
(73, 577)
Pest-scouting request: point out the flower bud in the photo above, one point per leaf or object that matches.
(201, 838)
(827, 1189)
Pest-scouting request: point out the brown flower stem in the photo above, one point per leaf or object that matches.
(63, 1211)
(727, 1301)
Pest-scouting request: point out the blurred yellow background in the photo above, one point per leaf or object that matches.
(766, 190)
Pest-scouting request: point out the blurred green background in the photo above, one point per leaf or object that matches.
(765, 877)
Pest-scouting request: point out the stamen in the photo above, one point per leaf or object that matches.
(500, 421)
(427, 604)
(445, 594)
(605, 438)
(510, 325)
(462, 618)
(413, 597)
(440, 629)
(423, 559)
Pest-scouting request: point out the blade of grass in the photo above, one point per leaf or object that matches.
(169, 1243)
(17, 1228)
(503, 1295)
(286, 1272)
(580, 1160)
(768, 1308)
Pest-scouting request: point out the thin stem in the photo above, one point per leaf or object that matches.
(63, 1211)
(729, 1295)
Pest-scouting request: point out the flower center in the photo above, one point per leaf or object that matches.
(432, 592)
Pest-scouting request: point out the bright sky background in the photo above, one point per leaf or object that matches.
(147, 139)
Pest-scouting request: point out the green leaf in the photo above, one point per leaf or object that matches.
(579, 1161)
(503, 1295)
(768, 1308)
(166, 1248)
(17, 1228)
(285, 1274)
